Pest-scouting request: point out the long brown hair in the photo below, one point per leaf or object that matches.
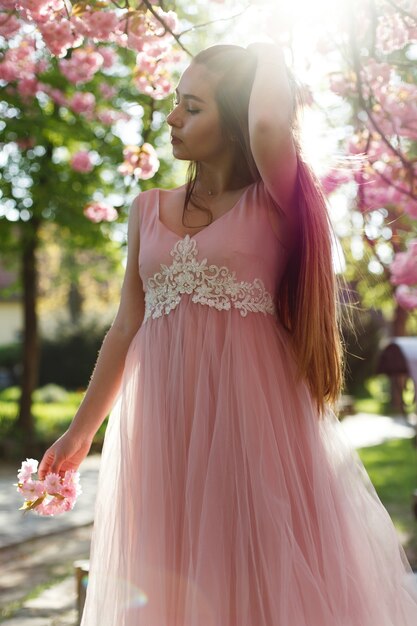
(307, 294)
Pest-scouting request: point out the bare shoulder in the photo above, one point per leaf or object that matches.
(139, 201)
(173, 190)
(155, 191)
(170, 199)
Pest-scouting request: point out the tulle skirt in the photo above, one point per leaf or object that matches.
(224, 501)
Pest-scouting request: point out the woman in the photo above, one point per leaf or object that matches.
(227, 493)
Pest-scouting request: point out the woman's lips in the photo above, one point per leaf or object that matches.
(175, 140)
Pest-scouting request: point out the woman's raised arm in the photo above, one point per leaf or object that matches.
(271, 107)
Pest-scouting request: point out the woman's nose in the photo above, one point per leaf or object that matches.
(173, 119)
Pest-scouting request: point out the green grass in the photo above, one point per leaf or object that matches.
(51, 418)
(392, 467)
(375, 396)
(370, 405)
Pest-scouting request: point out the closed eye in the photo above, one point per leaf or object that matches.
(192, 111)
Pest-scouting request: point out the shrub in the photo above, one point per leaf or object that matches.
(10, 354)
(50, 393)
(362, 349)
(69, 358)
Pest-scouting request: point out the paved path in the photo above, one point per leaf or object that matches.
(55, 606)
(29, 536)
(365, 429)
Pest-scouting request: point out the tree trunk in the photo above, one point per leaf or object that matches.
(30, 355)
(75, 302)
(397, 382)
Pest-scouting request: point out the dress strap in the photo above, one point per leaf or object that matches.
(142, 200)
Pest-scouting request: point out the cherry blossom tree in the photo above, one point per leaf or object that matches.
(71, 74)
(378, 76)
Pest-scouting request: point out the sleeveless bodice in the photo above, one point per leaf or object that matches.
(234, 263)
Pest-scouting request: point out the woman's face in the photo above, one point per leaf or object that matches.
(195, 118)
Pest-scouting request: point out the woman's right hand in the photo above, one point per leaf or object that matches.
(67, 453)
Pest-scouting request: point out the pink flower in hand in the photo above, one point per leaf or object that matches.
(31, 489)
(52, 483)
(71, 478)
(69, 491)
(28, 467)
(51, 496)
(52, 507)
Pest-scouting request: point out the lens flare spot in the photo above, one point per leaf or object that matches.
(166, 597)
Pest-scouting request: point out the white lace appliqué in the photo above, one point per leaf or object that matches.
(212, 285)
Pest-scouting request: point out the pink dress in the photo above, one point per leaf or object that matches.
(222, 500)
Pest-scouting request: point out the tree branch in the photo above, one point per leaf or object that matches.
(222, 19)
(160, 19)
(403, 12)
(357, 69)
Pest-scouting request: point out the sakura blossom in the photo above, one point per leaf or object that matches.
(100, 212)
(68, 490)
(107, 91)
(56, 95)
(28, 467)
(157, 85)
(169, 18)
(334, 179)
(110, 116)
(40, 11)
(20, 62)
(71, 478)
(31, 489)
(27, 87)
(7, 5)
(97, 25)
(9, 25)
(110, 57)
(82, 66)
(406, 297)
(81, 162)
(392, 33)
(52, 483)
(53, 495)
(59, 37)
(404, 266)
(140, 162)
(385, 97)
(83, 103)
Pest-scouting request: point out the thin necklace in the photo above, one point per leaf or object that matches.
(210, 192)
